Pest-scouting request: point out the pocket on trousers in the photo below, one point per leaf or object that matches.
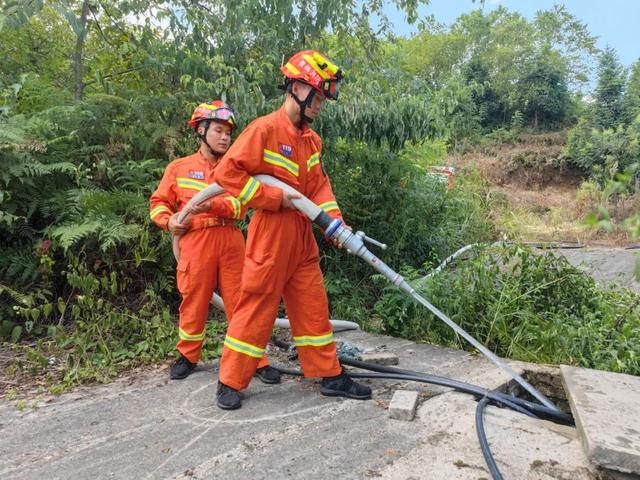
(182, 274)
(259, 275)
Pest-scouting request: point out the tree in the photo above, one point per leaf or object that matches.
(557, 29)
(542, 93)
(608, 106)
(632, 95)
(490, 105)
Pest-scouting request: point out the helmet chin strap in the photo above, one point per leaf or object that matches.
(303, 104)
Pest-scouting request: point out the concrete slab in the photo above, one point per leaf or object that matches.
(524, 448)
(156, 428)
(606, 264)
(380, 358)
(606, 407)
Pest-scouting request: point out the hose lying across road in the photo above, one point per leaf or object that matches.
(486, 397)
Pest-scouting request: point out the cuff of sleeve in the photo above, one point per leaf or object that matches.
(219, 207)
(272, 198)
(336, 214)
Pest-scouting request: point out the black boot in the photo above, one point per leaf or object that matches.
(181, 368)
(344, 386)
(268, 374)
(228, 398)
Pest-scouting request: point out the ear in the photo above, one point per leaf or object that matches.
(298, 89)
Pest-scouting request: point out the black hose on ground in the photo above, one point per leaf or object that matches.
(484, 443)
(500, 399)
(482, 436)
(500, 402)
(538, 410)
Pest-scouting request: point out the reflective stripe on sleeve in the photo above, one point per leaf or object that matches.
(249, 190)
(328, 206)
(313, 161)
(159, 209)
(235, 204)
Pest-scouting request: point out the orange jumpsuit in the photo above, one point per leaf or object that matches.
(282, 258)
(211, 252)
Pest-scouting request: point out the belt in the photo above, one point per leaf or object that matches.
(206, 222)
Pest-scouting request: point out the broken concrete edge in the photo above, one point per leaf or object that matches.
(614, 475)
(587, 447)
(451, 448)
(603, 456)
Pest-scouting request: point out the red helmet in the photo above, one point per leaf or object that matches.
(216, 110)
(312, 67)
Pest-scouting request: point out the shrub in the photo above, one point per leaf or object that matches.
(523, 305)
(603, 153)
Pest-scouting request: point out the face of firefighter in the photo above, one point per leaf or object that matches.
(301, 90)
(218, 137)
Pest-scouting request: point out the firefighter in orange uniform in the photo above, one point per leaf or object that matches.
(212, 246)
(282, 258)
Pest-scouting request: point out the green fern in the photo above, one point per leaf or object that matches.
(116, 232)
(88, 150)
(11, 134)
(70, 234)
(109, 232)
(19, 266)
(35, 169)
(8, 219)
(14, 295)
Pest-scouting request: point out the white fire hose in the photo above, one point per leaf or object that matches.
(214, 190)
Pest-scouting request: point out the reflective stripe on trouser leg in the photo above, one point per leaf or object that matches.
(197, 277)
(193, 317)
(230, 276)
(248, 333)
(308, 311)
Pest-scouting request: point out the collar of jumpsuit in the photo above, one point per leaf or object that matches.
(207, 163)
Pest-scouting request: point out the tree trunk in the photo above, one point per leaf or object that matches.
(78, 61)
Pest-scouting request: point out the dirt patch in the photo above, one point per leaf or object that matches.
(535, 196)
(533, 162)
(546, 380)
